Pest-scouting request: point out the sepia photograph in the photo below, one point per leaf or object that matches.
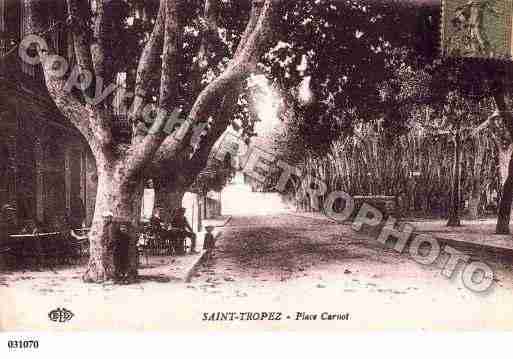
(234, 166)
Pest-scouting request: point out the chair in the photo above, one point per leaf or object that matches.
(60, 247)
(43, 249)
(31, 250)
(163, 244)
(78, 248)
(15, 247)
(167, 242)
(82, 246)
(52, 248)
(4, 253)
(159, 242)
(177, 240)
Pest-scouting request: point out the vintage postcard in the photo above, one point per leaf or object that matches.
(255, 165)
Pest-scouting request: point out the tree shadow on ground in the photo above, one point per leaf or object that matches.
(271, 248)
(157, 279)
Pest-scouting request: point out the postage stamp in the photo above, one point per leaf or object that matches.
(477, 28)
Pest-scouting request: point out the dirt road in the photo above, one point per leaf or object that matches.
(312, 273)
(314, 263)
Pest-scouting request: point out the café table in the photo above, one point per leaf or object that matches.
(38, 247)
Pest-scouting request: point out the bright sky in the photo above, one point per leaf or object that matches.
(268, 104)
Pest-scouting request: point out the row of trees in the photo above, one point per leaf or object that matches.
(417, 168)
(410, 114)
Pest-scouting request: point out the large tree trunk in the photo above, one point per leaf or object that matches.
(454, 206)
(475, 199)
(118, 202)
(502, 98)
(504, 210)
(477, 181)
(505, 153)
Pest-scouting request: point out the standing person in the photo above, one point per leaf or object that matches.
(209, 243)
(121, 243)
(180, 222)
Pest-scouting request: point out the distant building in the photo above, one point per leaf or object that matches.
(46, 168)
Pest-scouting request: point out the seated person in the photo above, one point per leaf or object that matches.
(156, 224)
(156, 221)
(180, 224)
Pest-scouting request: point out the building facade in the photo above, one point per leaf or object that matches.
(46, 168)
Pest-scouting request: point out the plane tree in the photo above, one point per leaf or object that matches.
(170, 72)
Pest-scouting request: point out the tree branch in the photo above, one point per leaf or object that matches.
(488, 123)
(210, 36)
(147, 65)
(242, 64)
(254, 16)
(83, 117)
(210, 32)
(98, 45)
(201, 156)
(502, 97)
(172, 46)
(192, 166)
(78, 21)
(70, 107)
(240, 67)
(144, 150)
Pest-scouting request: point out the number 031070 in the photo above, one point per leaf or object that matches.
(23, 344)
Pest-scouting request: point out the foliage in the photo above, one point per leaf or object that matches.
(214, 177)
